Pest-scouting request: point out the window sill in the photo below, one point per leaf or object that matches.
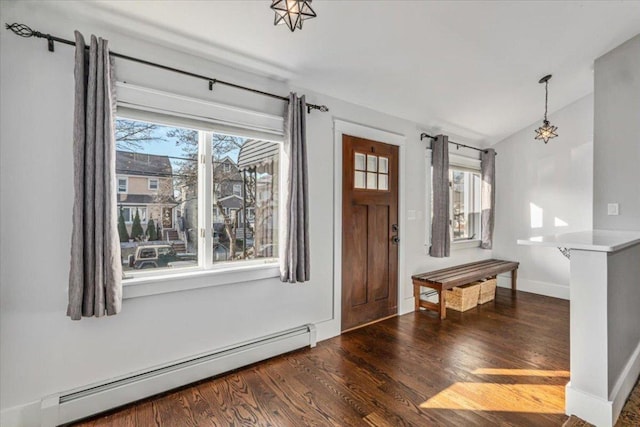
(465, 244)
(195, 279)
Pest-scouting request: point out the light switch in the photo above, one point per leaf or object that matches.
(612, 209)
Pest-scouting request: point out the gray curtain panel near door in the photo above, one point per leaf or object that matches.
(295, 262)
(487, 196)
(95, 287)
(440, 234)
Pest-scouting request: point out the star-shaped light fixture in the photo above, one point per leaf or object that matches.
(292, 12)
(547, 131)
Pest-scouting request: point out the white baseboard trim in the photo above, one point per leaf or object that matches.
(534, 286)
(625, 383)
(60, 408)
(598, 411)
(588, 407)
(407, 305)
(26, 415)
(64, 407)
(328, 329)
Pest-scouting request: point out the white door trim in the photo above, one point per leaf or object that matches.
(340, 127)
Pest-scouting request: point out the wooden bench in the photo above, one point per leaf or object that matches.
(441, 280)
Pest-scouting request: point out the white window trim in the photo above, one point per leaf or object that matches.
(465, 244)
(259, 125)
(149, 184)
(464, 162)
(195, 278)
(126, 185)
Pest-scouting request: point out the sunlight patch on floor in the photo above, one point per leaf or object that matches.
(543, 399)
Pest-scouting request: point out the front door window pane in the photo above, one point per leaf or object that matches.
(372, 163)
(383, 165)
(372, 181)
(383, 182)
(360, 162)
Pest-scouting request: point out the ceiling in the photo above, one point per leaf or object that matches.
(468, 68)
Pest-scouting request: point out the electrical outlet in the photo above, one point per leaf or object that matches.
(612, 209)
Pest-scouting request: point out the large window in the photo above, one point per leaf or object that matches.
(465, 204)
(197, 192)
(128, 213)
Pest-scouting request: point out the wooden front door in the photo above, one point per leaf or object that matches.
(369, 231)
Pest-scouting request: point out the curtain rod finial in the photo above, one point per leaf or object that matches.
(20, 29)
(23, 30)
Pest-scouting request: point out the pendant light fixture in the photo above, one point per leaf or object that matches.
(547, 131)
(292, 12)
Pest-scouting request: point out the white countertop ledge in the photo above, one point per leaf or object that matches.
(591, 240)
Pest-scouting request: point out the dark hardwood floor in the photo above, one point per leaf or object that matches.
(503, 364)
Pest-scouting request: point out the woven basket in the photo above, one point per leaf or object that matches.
(487, 291)
(462, 298)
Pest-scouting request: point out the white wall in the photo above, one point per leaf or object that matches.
(42, 351)
(554, 183)
(617, 137)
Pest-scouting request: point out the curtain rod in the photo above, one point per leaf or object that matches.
(457, 144)
(23, 30)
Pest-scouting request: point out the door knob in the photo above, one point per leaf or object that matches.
(394, 228)
(395, 240)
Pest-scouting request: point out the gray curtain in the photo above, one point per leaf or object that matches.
(440, 234)
(294, 262)
(95, 287)
(487, 196)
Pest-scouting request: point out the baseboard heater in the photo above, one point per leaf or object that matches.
(80, 403)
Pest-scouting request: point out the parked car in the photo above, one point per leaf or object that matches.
(154, 256)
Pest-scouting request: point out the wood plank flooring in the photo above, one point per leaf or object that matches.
(503, 364)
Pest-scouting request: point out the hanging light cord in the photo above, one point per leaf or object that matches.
(546, 99)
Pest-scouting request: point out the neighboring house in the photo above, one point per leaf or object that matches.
(228, 188)
(145, 184)
(229, 196)
(244, 199)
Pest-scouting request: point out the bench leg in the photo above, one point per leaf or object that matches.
(443, 305)
(514, 279)
(416, 296)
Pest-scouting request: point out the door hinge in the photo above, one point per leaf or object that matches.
(202, 233)
(203, 159)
